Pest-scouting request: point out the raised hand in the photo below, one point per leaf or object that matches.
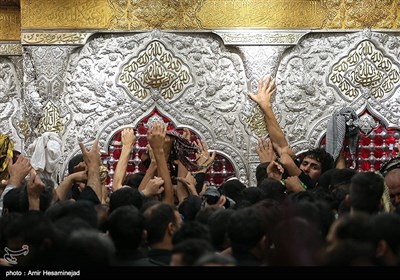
(266, 88)
(18, 170)
(293, 184)
(35, 188)
(92, 160)
(91, 157)
(128, 137)
(203, 157)
(35, 185)
(189, 182)
(265, 151)
(186, 134)
(154, 187)
(275, 170)
(156, 136)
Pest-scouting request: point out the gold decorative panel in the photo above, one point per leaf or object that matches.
(262, 14)
(156, 67)
(209, 14)
(10, 24)
(9, 3)
(256, 122)
(65, 14)
(150, 14)
(51, 120)
(24, 127)
(346, 14)
(365, 67)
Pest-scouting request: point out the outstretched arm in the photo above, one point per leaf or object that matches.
(156, 139)
(35, 188)
(128, 140)
(66, 185)
(266, 89)
(92, 160)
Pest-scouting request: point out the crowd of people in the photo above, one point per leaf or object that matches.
(308, 211)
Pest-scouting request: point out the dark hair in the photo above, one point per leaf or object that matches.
(273, 189)
(189, 230)
(386, 226)
(192, 249)
(189, 207)
(82, 209)
(134, 180)
(233, 188)
(253, 194)
(245, 230)
(157, 218)
(74, 161)
(261, 172)
(17, 199)
(125, 196)
(218, 225)
(366, 191)
(322, 157)
(125, 226)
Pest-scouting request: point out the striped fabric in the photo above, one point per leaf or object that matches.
(343, 124)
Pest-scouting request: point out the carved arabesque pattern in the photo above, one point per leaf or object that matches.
(44, 68)
(259, 62)
(302, 97)
(148, 14)
(10, 99)
(304, 102)
(212, 106)
(361, 14)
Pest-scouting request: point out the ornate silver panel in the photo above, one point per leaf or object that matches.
(12, 120)
(308, 92)
(44, 69)
(93, 91)
(101, 101)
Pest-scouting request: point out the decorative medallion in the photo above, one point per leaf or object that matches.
(256, 122)
(366, 68)
(24, 127)
(153, 120)
(367, 123)
(157, 68)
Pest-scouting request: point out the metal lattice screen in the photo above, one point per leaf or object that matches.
(217, 173)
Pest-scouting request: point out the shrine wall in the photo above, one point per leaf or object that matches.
(86, 70)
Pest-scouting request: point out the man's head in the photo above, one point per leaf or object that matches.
(316, 162)
(391, 173)
(392, 180)
(366, 191)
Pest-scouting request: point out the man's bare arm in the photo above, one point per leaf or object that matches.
(265, 91)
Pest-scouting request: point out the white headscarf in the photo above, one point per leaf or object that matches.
(46, 152)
